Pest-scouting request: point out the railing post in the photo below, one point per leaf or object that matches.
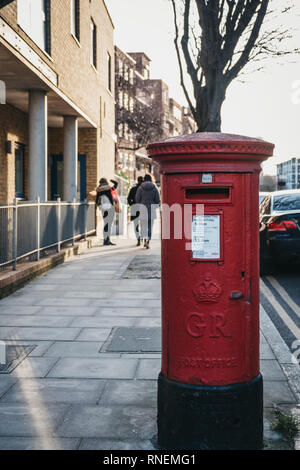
(58, 224)
(15, 234)
(73, 234)
(85, 217)
(38, 228)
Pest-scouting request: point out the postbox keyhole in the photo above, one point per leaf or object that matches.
(243, 274)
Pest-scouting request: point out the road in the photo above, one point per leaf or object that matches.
(280, 297)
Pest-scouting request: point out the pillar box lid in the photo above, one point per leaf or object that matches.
(212, 144)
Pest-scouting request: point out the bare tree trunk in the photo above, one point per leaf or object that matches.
(208, 106)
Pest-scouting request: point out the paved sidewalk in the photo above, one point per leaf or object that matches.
(84, 386)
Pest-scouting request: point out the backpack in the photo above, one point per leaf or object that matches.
(115, 199)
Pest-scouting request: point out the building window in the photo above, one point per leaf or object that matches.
(120, 130)
(131, 104)
(126, 101)
(75, 18)
(177, 113)
(126, 131)
(121, 99)
(109, 81)
(93, 29)
(34, 19)
(125, 72)
(131, 76)
(19, 170)
(120, 67)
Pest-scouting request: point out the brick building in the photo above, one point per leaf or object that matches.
(57, 126)
(163, 117)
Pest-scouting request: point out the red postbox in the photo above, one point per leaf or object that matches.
(210, 386)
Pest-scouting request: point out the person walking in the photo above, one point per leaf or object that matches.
(106, 200)
(147, 195)
(134, 213)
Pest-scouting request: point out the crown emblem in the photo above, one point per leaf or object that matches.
(207, 290)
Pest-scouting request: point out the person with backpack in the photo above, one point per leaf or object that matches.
(107, 200)
(148, 196)
(134, 213)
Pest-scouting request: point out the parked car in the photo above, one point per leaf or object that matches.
(279, 229)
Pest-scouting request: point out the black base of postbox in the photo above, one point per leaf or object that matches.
(193, 417)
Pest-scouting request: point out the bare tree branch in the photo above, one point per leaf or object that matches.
(192, 108)
(219, 38)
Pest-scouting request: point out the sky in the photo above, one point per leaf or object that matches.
(264, 104)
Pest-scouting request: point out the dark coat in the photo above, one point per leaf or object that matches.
(131, 199)
(148, 195)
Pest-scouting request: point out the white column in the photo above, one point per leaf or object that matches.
(38, 145)
(70, 157)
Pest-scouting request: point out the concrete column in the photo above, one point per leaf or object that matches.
(70, 157)
(38, 145)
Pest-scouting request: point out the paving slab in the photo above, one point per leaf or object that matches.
(6, 382)
(34, 367)
(89, 294)
(40, 346)
(276, 391)
(127, 312)
(130, 392)
(68, 311)
(18, 309)
(271, 334)
(48, 390)
(148, 322)
(34, 320)
(94, 334)
(74, 349)
(265, 351)
(39, 333)
(38, 287)
(36, 443)
(28, 420)
(110, 422)
(8, 333)
(137, 295)
(17, 301)
(113, 302)
(100, 368)
(271, 370)
(109, 444)
(63, 301)
(130, 339)
(102, 322)
(148, 369)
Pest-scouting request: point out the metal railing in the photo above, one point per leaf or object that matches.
(28, 228)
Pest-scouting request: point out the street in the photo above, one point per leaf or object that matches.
(280, 297)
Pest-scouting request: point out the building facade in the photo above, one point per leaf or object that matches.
(57, 118)
(144, 113)
(288, 174)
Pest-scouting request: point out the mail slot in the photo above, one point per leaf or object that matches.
(207, 194)
(210, 386)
